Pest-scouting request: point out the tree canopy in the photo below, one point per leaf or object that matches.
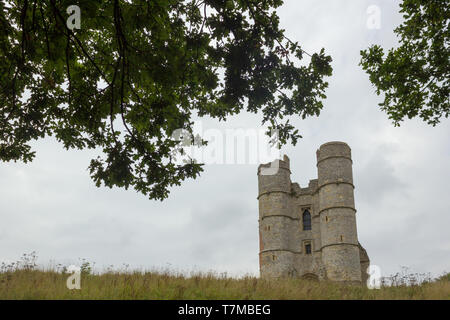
(414, 77)
(136, 71)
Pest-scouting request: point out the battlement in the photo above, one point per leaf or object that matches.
(334, 149)
(277, 163)
(309, 190)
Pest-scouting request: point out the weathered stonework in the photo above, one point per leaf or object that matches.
(329, 249)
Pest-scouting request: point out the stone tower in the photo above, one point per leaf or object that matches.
(310, 232)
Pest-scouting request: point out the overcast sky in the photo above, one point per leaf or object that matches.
(401, 175)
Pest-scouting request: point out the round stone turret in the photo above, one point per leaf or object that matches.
(339, 242)
(275, 218)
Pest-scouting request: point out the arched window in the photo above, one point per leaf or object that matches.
(306, 220)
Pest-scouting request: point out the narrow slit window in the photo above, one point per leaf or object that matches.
(306, 220)
(308, 248)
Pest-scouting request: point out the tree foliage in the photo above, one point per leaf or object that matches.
(414, 77)
(138, 70)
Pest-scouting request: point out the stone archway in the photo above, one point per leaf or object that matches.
(310, 277)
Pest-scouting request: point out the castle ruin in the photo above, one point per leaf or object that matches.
(310, 232)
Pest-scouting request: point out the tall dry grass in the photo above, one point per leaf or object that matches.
(22, 280)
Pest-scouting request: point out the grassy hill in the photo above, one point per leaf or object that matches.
(38, 284)
(24, 280)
